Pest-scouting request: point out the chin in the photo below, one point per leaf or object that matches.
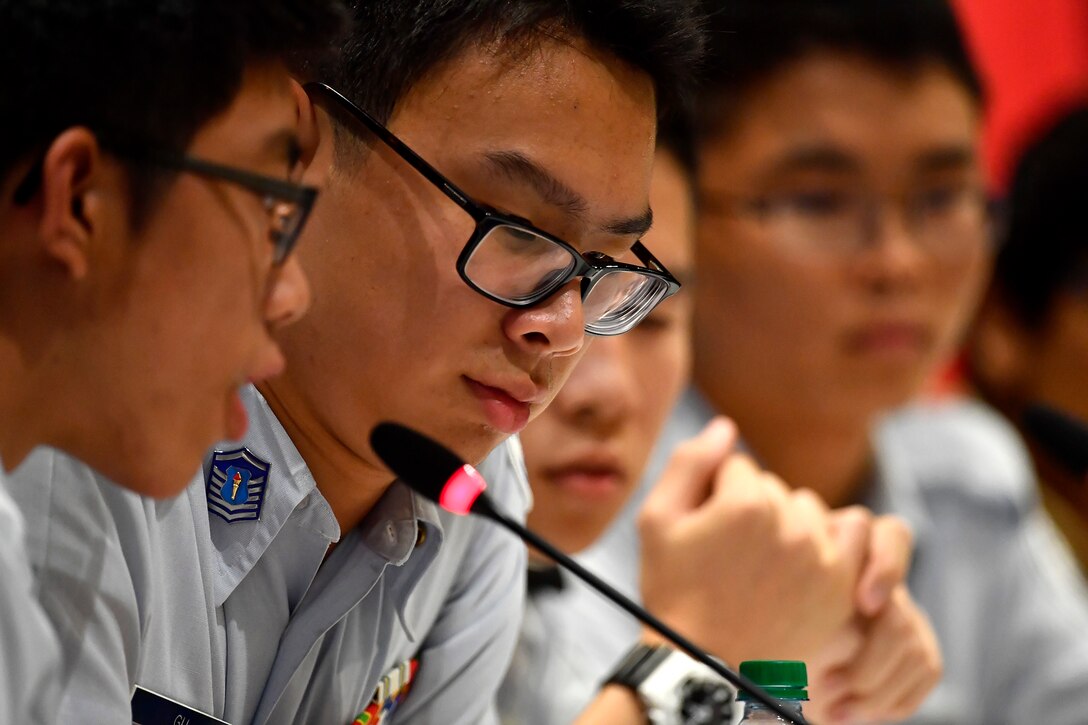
(477, 447)
(577, 544)
(172, 471)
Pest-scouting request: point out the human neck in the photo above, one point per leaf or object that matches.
(805, 446)
(350, 484)
(37, 406)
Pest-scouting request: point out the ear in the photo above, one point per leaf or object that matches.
(69, 169)
(316, 137)
(1000, 345)
(309, 132)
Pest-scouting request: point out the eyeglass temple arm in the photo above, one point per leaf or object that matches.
(284, 190)
(645, 256)
(399, 147)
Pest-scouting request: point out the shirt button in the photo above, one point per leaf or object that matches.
(421, 535)
(391, 532)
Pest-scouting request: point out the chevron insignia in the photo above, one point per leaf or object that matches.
(235, 485)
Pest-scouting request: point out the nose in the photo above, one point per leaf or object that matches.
(601, 392)
(894, 260)
(555, 327)
(288, 293)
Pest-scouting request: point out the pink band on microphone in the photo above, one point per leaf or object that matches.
(461, 490)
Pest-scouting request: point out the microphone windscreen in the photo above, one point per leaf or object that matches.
(417, 460)
(1062, 436)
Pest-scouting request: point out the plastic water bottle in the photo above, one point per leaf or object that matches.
(785, 680)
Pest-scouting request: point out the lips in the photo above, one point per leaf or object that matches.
(504, 411)
(593, 478)
(892, 338)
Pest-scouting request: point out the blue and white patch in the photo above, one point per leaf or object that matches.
(235, 484)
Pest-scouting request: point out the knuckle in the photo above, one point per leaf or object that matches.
(809, 499)
(897, 529)
(650, 522)
(935, 663)
(856, 515)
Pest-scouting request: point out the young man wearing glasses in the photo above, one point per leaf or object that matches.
(489, 166)
(147, 214)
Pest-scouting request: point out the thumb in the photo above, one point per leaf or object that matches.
(689, 477)
(888, 562)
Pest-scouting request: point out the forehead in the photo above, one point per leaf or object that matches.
(877, 119)
(587, 117)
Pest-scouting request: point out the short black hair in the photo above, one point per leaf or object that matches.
(751, 40)
(395, 43)
(148, 71)
(1045, 246)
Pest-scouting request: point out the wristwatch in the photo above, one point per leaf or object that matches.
(674, 689)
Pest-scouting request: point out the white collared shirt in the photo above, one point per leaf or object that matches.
(1006, 600)
(244, 622)
(29, 654)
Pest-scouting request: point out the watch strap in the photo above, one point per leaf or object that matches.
(637, 665)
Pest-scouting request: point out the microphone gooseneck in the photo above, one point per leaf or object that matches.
(438, 474)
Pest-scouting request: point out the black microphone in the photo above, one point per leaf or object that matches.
(438, 474)
(1062, 436)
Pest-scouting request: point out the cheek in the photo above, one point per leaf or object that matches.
(958, 290)
(219, 264)
(539, 440)
(661, 370)
(561, 369)
(380, 277)
(1062, 357)
(761, 303)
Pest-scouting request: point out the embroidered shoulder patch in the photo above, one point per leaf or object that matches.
(236, 484)
(391, 691)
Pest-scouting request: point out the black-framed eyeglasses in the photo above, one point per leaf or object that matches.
(288, 204)
(947, 221)
(510, 261)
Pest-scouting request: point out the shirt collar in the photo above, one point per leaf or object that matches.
(239, 545)
(895, 489)
(399, 519)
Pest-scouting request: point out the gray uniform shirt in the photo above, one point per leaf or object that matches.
(243, 621)
(29, 654)
(1006, 601)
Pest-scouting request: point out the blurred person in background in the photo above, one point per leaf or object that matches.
(1030, 340)
(843, 242)
(585, 456)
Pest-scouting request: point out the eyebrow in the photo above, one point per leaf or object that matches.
(827, 158)
(946, 158)
(815, 158)
(516, 166)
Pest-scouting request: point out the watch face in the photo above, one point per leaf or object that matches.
(705, 702)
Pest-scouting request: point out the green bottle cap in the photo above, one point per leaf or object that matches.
(784, 679)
